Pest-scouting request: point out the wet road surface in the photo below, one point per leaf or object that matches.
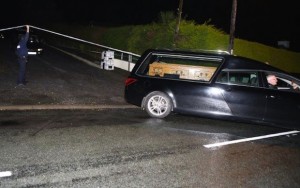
(126, 148)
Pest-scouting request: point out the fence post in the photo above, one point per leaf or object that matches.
(129, 61)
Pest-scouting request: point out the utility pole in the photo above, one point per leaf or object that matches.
(232, 26)
(178, 22)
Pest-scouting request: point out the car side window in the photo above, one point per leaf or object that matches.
(223, 77)
(287, 84)
(168, 66)
(245, 78)
(282, 82)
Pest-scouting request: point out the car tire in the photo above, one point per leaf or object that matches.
(158, 104)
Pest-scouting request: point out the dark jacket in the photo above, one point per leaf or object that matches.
(22, 50)
(272, 86)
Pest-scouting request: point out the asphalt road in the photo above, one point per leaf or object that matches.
(126, 148)
(122, 146)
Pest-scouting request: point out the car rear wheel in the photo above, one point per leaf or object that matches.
(158, 105)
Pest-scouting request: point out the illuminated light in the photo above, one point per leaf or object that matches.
(5, 174)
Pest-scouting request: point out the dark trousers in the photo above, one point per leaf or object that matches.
(22, 70)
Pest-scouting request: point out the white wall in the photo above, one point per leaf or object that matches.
(123, 64)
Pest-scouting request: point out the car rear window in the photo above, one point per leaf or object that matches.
(180, 67)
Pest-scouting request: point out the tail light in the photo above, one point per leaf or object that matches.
(130, 81)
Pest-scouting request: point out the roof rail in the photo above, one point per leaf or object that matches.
(198, 50)
(210, 51)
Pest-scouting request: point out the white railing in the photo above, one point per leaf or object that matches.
(130, 55)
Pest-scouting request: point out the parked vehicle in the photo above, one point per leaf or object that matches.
(212, 84)
(34, 45)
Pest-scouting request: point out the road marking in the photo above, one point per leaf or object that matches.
(5, 174)
(249, 139)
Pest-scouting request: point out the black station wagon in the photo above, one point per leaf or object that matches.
(215, 85)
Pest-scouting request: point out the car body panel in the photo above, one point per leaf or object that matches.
(282, 107)
(241, 103)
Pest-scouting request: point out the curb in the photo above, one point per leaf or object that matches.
(64, 107)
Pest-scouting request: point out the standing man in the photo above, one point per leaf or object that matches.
(22, 53)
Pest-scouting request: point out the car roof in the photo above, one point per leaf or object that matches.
(237, 62)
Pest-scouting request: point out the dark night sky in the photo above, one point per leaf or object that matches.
(265, 21)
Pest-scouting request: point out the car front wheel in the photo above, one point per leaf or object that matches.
(158, 105)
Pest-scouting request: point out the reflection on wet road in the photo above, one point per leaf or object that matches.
(126, 148)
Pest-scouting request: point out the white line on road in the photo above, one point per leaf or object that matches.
(5, 174)
(249, 139)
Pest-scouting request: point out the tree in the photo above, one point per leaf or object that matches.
(178, 22)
